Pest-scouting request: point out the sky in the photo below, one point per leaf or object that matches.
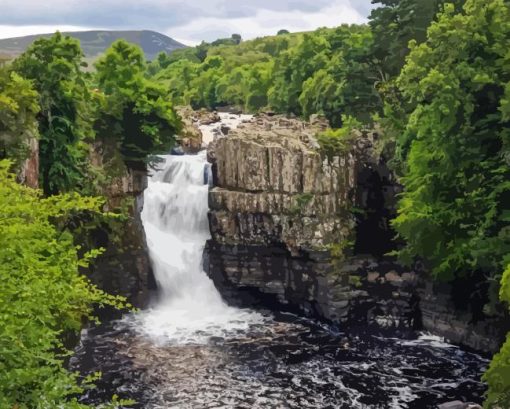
(188, 21)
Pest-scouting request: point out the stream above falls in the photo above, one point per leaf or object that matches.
(190, 349)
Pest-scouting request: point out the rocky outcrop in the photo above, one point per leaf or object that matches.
(29, 172)
(124, 267)
(190, 137)
(273, 187)
(464, 324)
(276, 208)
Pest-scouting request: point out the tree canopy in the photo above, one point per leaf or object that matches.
(19, 106)
(42, 295)
(455, 144)
(54, 66)
(133, 109)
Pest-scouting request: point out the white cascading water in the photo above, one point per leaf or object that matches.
(189, 308)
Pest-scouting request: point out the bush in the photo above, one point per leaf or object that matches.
(335, 141)
(42, 295)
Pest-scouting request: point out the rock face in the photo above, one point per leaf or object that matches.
(29, 172)
(124, 267)
(273, 187)
(461, 325)
(190, 137)
(276, 208)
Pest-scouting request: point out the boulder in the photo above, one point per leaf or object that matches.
(456, 404)
(190, 137)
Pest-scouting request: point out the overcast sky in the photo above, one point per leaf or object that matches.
(188, 21)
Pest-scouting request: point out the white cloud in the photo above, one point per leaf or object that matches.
(190, 21)
(20, 31)
(266, 22)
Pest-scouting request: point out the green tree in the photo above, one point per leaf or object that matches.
(133, 109)
(203, 86)
(42, 295)
(455, 210)
(176, 79)
(237, 38)
(54, 66)
(396, 22)
(345, 86)
(293, 68)
(245, 86)
(19, 106)
(498, 373)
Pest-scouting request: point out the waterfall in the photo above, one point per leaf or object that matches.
(189, 309)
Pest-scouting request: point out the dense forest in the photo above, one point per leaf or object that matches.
(433, 75)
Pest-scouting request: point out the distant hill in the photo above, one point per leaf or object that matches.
(96, 42)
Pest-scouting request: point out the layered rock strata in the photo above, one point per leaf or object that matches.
(276, 209)
(124, 267)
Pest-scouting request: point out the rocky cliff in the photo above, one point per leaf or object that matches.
(277, 207)
(124, 267)
(293, 230)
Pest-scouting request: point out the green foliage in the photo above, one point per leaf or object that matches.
(498, 374)
(339, 252)
(133, 109)
(498, 379)
(54, 66)
(454, 151)
(336, 141)
(454, 210)
(394, 24)
(18, 109)
(328, 71)
(344, 84)
(355, 281)
(293, 67)
(235, 39)
(42, 295)
(300, 202)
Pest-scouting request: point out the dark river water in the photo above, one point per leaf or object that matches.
(282, 362)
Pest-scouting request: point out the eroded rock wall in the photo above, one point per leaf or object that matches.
(275, 209)
(29, 172)
(124, 267)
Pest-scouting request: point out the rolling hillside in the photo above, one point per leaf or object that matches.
(95, 42)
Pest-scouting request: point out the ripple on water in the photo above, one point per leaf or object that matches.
(282, 362)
